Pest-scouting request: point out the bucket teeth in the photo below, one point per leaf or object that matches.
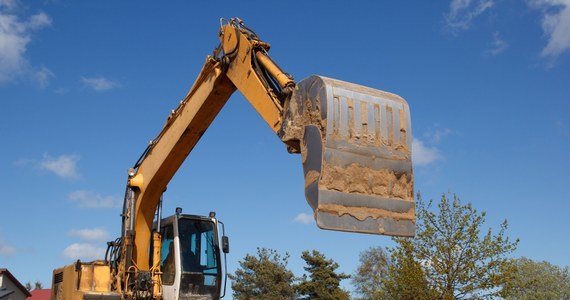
(355, 143)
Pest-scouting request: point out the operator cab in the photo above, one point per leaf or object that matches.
(190, 257)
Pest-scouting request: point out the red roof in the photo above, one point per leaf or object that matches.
(4, 271)
(40, 294)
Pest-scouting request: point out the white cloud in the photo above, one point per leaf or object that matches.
(304, 218)
(555, 24)
(463, 12)
(15, 35)
(38, 21)
(6, 249)
(83, 251)
(8, 4)
(89, 199)
(95, 234)
(423, 155)
(42, 76)
(64, 166)
(436, 135)
(497, 46)
(99, 83)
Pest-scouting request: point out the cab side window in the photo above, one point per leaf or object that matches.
(167, 255)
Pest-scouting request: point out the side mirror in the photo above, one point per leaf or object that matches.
(225, 244)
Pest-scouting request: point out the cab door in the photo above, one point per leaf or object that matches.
(168, 260)
(190, 258)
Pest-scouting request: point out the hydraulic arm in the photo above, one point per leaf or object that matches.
(354, 141)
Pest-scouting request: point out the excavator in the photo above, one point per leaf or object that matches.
(355, 146)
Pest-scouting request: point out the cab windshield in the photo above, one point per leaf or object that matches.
(199, 249)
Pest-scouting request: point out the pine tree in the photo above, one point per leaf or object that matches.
(264, 276)
(38, 285)
(323, 281)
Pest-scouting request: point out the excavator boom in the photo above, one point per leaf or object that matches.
(166, 153)
(355, 146)
(355, 142)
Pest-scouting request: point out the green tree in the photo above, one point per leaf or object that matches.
(264, 276)
(371, 274)
(406, 278)
(539, 280)
(38, 285)
(449, 258)
(323, 281)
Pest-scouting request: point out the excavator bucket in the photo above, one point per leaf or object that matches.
(355, 144)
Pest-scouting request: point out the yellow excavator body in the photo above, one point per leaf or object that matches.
(83, 281)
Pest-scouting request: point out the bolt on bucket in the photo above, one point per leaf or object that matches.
(355, 144)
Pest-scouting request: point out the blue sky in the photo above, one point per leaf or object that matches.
(84, 86)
